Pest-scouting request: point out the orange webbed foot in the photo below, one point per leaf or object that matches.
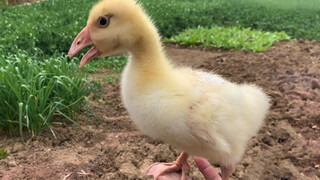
(175, 170)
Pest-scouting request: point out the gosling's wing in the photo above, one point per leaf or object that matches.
(208, 78)
(203, 125)
(204, 111)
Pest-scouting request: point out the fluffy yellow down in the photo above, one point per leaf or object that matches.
(200, 113)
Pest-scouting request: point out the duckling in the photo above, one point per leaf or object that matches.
(198, 112)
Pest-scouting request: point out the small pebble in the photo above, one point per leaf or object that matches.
(17, 147)
(315, 84)
(313, 70)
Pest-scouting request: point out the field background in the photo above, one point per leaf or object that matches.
(61, 122)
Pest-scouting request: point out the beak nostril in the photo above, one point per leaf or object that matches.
(80, 41)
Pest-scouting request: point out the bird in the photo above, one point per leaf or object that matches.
(200, 113)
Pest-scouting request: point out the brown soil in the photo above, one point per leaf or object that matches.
(19, 2)
(287, 147)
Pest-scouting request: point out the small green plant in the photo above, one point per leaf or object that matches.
(110, 78)
(3, 154)
(229, 38)
(114, 63)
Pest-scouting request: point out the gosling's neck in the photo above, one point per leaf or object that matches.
(148, 53)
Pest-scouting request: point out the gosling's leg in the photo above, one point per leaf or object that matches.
(180, 165)
(226, 172)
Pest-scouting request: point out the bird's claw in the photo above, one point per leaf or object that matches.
(166, 169)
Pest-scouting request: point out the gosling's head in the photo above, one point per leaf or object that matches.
(113, 27)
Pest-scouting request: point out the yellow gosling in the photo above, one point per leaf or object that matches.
(200, 113)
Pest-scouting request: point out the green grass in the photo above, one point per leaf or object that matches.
(110, 78)
(307, 5)
(45, 28)
(42, 28)
(229, 38)
(172, 17)
(114, 63)
(33, 92)
(3, 154)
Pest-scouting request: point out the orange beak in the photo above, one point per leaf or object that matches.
(81, 41)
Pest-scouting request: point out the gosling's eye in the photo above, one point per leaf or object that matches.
(103, 21)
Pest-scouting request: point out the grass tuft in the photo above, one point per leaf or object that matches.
(229, 38)
(114, 63)
(110, 78)
(3, 154)
(33, 91)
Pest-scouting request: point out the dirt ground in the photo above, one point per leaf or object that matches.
(287, 147)
(20, 2)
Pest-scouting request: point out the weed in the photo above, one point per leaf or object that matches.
(110, 78)
(229, 38)
(3, 154)
(114, 63)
